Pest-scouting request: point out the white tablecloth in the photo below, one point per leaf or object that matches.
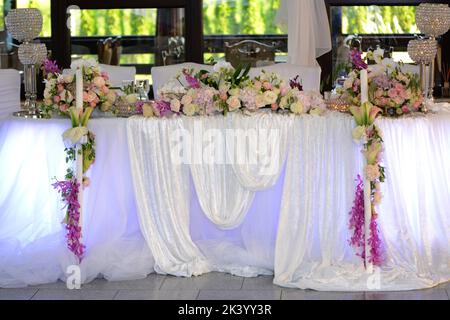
(296, 229)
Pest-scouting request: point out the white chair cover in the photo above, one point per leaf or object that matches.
(9, 92)
(310, 76)
(162, 75)
(118, 74)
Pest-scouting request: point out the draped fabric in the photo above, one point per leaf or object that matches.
(309, 34)
(162, 190)
(312, 249)
(144, 211)
(9, 91)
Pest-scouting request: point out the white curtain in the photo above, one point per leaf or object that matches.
(308, 30)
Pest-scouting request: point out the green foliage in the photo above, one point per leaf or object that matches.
(379, 19)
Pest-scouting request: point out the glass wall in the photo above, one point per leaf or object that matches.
(390, 27)
(231, 21)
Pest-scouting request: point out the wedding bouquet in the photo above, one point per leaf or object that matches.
(393, 90)
(59, 93)
(226, 89)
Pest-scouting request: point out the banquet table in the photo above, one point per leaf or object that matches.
(144, 213)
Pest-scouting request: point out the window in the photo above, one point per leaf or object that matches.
(147, 36)
(44, 6)
(390, 27)
(231, 21)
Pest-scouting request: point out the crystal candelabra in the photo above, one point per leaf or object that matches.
(423, 51)
(24, 25)
(433, 20)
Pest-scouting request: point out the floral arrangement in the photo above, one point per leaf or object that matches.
(369, 135)
(59, 93)
(394, 91)
(229, 90)
(60, 97)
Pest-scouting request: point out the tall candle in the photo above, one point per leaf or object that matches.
(364, 86)
(79, 89)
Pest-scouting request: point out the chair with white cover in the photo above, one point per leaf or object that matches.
(309, 76)
(9, 92)
(162, 75)
(118, 74)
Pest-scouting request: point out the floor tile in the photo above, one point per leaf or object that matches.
(428, 294)
(66, 294)
(260, 283)
(445, 285)
(293, 294)
(17, 294)
(239, 295)
(55, 285)
(152, 282)
(212, 281)
(156, 295)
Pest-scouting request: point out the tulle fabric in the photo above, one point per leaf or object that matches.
(143, 214)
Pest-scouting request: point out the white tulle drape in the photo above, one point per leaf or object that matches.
(143, 210)
(162, 191)
(32, 237)
(312, 248)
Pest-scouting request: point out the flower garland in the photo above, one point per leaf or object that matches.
(59, 98)
(229, 90)
(370, 136)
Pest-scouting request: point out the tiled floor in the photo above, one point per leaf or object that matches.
(207, 287)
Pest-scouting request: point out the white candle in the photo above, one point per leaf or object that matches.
(79, 89)
(364, 86)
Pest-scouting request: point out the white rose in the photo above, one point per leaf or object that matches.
(270, 97)
(378, 55)
(111, 97)
(131, 98)
(297, 107)
(47, 94)
(222, 65)
(260, 101)
(284, 102)
(147, 110)
(68, 78)
(348, 83)
(233, 103)
(190, 110)
(186, 100)
(175, 105)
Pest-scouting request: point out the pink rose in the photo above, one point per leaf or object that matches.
(399, 100)
(284, 90)
(392, 93)
(93, 104)
(399, 87)
(267, 85)
(405, 109)
(105, 89)
(275, 107)
(99, 82)
(56, 99)
(257, 85)
(105, 76)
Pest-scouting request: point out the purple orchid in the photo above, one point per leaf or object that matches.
(358, 62)
(163, 107)
(69, 191)
(296, 83)
(50, 66)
